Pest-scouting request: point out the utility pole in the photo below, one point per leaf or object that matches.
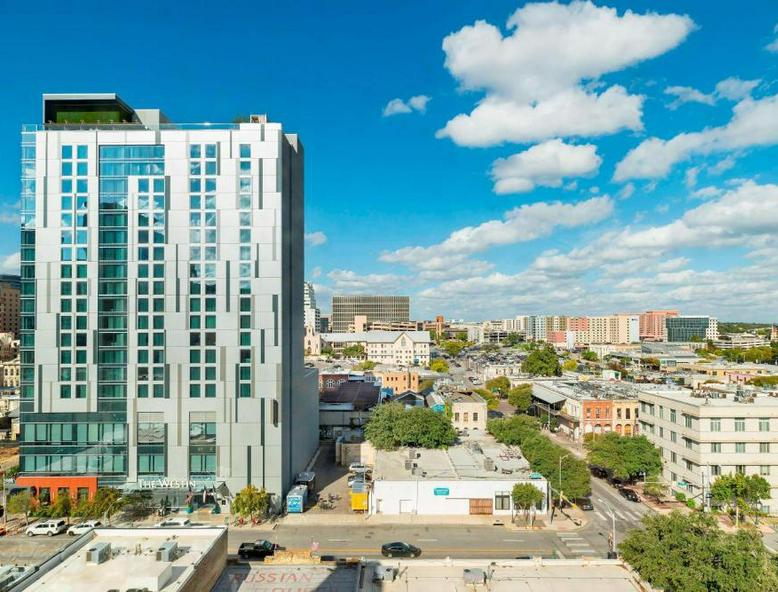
(561, 458)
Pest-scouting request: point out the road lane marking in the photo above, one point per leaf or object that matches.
(513, 540)
(338, 540)
(600, 516)
(620, 515)
(427, 540)
(578, 544)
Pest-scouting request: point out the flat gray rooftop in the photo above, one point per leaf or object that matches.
(296, 578)
(508, 576)
(465, 460)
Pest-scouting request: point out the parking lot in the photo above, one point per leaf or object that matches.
(331, 482)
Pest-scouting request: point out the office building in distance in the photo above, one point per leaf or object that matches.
(162, 303)
(374, 308)
(691, 328)
(9, 305)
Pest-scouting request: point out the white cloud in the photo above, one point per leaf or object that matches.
(315, 239)
(398, 106)
(736, 89)
(10, 263)
(344, 280)
(541, 79)
(690, 179)
(627, 191)
(316, 272)
(545, 164)
(707, 192)
(754, 123)
(687, 94)
(731, 89)
(522, 224)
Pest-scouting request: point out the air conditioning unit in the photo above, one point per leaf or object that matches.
(258, 118)
(385, 574)
(100, 553)
(488, 464)
(408, 465)
(474, 576)
(167, 551)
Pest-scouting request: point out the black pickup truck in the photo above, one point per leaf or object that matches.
(257, 550)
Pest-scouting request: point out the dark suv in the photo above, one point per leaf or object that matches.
(629, 494)
(257, 550)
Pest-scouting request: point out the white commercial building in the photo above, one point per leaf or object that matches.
(473, 478)
(702, 437)
(394, 348)
(163, 296)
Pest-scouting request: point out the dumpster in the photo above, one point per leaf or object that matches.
(296, 498)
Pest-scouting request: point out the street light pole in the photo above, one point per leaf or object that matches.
(561, 458)
(612, 515)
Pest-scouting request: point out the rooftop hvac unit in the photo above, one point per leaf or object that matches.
(488, 464)
(474, 576)
(385, 574)
(258, 118)
(411, 453)
(408, 464)
(167, 551)
(100, 553)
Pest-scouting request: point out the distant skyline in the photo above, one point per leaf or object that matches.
(487, 160)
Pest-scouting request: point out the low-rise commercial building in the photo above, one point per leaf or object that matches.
(475, 477)
(399, 381)
(152, 559)
(728, 373)
(394, 348)
(346, 409)
(702, 437)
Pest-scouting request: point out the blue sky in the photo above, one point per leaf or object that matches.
(551, 162)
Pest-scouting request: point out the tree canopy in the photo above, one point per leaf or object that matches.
(625, 456)
(526, 496)
(439, 365)
(690, 553)
(392, 426)
(453, 348)
(570, 366)
(589, 356)
(521, 397)
(500, 384)
(251, 502)
(356, 350)
(739, 491)
(513, 339)
(20, 503)
(542, 362)
(543, 454)
(492, 401)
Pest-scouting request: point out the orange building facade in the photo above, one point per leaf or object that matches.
(48, 488)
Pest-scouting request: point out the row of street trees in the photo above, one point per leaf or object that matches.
(544, 456)
(106, 502)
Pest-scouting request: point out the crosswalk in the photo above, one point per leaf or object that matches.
(621, 514)
(576, 544)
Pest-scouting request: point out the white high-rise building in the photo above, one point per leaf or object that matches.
(162, 296)
(311, 314)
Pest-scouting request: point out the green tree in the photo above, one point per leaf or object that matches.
(426, 385)
(251, 502)
(366, 365)
(542, 362)
(62, 506)
(355, 350)
(492, 401)
(740, 493)
(521, 397)
(525, 497)
(392, 426)
(500, 384)
(690, 553)
(570, 366)
(453, 348)
(105, 503)
(513, 339)
(625, 456)
(20, 503)
(439, 365)
(327, 350)
(12, 472)
(590, 356)
(138, 505)
(461, 335)
(655, 487)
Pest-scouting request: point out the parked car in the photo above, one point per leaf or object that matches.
(47, 527)
(257, 550)
(83, 527)
(175, 523)
(629, 494)
(585, 504)
(358, 468)
(362, 477)
(598, 472)
(399, 549)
